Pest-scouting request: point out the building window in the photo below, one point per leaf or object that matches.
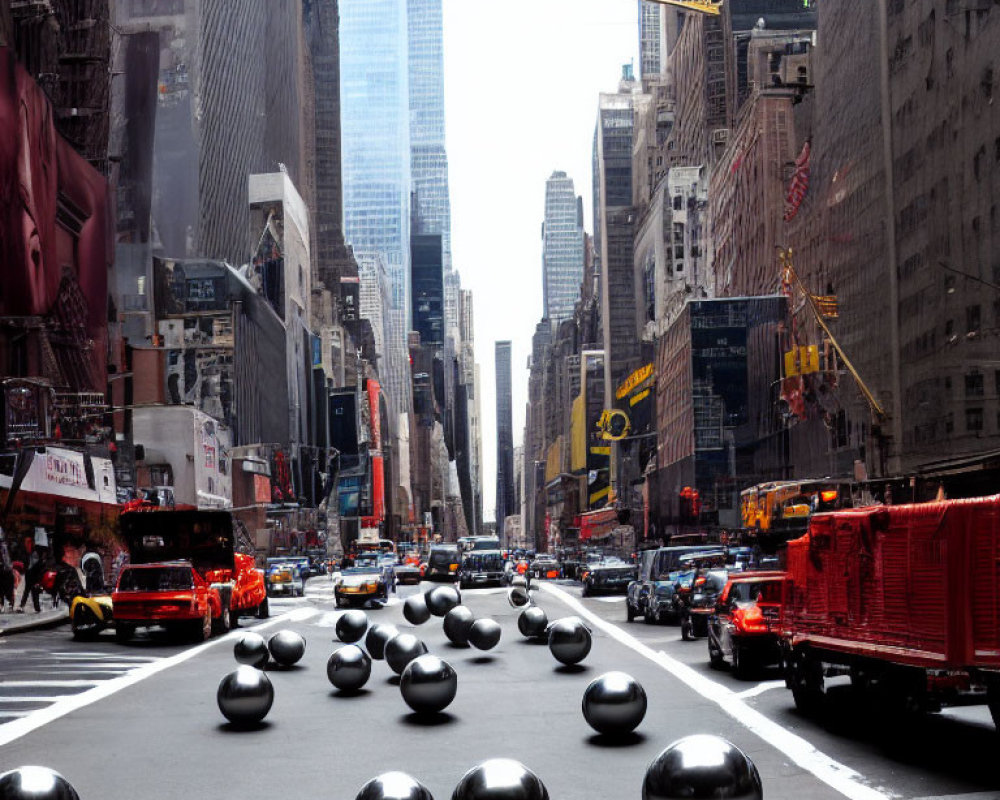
(974, 385)
(973, 319)
(973, 420)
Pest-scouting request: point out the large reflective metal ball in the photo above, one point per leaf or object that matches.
(251, 649)
(401, 650)
(349, 668)
(569, 640)
(428, 684)
(351, 626)
(457, 623)
(500, 779)
(245, 696)
(35, 783)
(393, 786)
(415, 609)
(614, 703)
(484, 634)
(532, 622)
(377, 638)
(442, 599)
(702, 766)
(518, 596)
(286, 647)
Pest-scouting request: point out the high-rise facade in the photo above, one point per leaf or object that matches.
(562, 247)
(505, 436)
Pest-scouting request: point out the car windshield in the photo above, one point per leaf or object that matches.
(483, 561)
(156, 579)
(762, 591)
(367, 561)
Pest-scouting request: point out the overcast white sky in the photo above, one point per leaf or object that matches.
(521, 85)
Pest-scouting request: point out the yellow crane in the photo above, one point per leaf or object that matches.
(711, 7)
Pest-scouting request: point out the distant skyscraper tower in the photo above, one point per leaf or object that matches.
(659, 27)
(505, 436)
(562, 248)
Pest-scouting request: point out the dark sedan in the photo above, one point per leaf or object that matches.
(611, 576)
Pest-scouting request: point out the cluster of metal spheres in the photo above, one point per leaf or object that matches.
(695, 767)
(246, 694)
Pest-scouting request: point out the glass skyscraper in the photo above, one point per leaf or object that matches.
(562, 248)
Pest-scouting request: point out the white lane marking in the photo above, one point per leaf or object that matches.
(608, 599)
(45, 698)
(760, 688)
(14, 730)
(53, 684)
(836, 775)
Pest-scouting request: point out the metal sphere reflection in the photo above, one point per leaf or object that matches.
(484, 634)
(35, 783)
(415, 609)
(518, 596)
(245, 696)
(377, 638)
(351, 626)
(349, 668)
(532, 622)
(500, 779)
(428, 684)
(442, 599)
(251, 649)
(614, 703)
(286, 647)
(457, 623)
(393, 786)
(569, 640)
(401, 650)
(702, 766)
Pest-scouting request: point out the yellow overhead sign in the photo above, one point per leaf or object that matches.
(634, 380)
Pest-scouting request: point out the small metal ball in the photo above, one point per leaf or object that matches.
(532, 622)
(251, 649)
(614, 703)
(702, 766)
(378, 636)
(500, 779)
(457, 623)
(442, 599)
(569, 640)
(401, 650)
(286, 647)
(415, 609)
(349, 668)
(484, 634)
(393, 786)
(518, 596)
(351, 626)
(35, 783)
(428, 684)
(245, 696)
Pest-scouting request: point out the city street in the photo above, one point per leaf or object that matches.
(121, 721)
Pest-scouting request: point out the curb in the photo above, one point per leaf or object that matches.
(48, 621)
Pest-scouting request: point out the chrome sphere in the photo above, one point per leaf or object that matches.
(702, 766)
(518, 596)
(614, 703)
(500, 779)
(349, 668)
(532, 622)
(245, 696)
(378, 636)
(484, 634)
(442, 599)
(428, 684)
(35, 783)
(401, 650)
(415, 609)
(286, 647)
(393, 786)
(251, 649)
(457, 623)
(351, 626)
(569, 640)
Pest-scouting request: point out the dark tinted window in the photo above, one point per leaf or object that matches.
(156, 579)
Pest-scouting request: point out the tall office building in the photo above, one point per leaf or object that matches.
(505, 437)
(428, 288)
(659, 27)
(428, 158)
(562, 248)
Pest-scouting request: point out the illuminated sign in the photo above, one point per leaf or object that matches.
(634, 380)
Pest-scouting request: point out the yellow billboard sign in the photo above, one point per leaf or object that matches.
(634, 380)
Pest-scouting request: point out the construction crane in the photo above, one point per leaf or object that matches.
(710, 7)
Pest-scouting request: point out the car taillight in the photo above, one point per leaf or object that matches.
(828, 496)
(453, 567)
(699, 581)
(750, 619)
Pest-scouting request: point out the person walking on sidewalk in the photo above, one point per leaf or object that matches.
(33, 579)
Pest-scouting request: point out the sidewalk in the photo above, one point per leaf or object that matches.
(29, 620)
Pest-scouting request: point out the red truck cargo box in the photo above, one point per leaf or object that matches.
(915, 584)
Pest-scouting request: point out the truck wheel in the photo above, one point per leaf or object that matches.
(808, 686)
(222, 623)
(686, 633)
(741, 666)
(262, 609)
(629, 611)
(234, 618)
(123, 632)
(715, 657)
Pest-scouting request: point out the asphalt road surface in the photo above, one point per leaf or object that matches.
(140, 720)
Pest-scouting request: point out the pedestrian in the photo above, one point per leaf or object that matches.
(33, 579)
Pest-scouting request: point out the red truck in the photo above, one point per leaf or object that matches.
(903, 599)
(184, 574)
